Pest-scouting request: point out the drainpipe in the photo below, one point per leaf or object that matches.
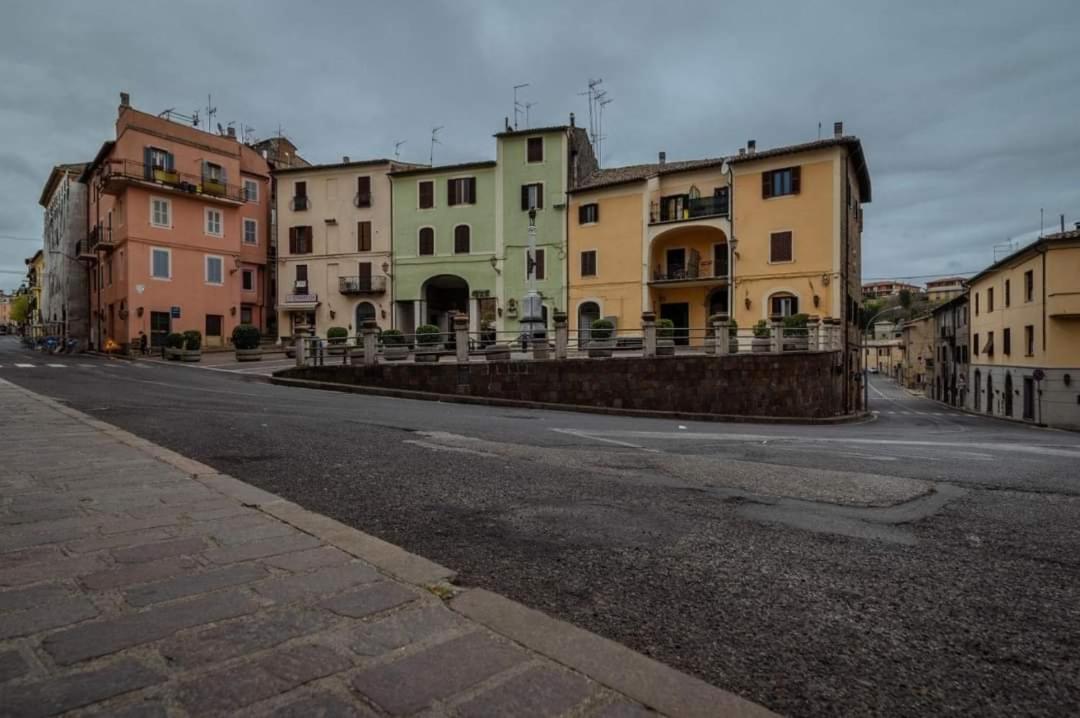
(731, 242)
(393, 284)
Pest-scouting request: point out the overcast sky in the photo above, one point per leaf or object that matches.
(968, 111)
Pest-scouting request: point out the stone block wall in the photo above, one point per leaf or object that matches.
(799, 385)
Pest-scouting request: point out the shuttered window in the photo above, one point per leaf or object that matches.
(532, 196)
(363, 192)
(588, 263)
(426, 241)
(541, 270)
(461, 190)
(588, 213)
(300, 240)
(777, 183)
(780, 249)
(1006, 341)
(426, 191)
(535, 149)
(461, 239)
(363, 236)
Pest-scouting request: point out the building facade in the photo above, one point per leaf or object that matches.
(1025, 334)
(918, 365)
(335, 246)
(5, 311)
(942, 290)
(65, 300)
(35, 285)
(884, 349)
(951, 351)
(887, 288)
(178, 232)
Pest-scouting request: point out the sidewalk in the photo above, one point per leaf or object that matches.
(137, 582)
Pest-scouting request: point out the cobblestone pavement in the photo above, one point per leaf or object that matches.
(136, 582)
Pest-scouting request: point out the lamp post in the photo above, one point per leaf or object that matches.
(866, 373)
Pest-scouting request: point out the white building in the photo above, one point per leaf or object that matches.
(65, 301)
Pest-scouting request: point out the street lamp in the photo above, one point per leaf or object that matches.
(866, 375)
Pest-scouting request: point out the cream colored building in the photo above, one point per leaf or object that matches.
(1025, 334)
(884, 349)
(942, 290)
(917, 367)
(334, 258)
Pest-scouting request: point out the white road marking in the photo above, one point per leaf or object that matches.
(586, 435)
(25, 366)
(57, 366)
(452, 449)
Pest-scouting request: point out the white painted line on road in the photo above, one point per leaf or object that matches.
(57, 366)
(586, 435)
(452, 449)
(25, 366)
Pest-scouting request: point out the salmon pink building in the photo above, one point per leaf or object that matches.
(178, 233)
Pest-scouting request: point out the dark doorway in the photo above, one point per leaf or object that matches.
(442, 295)
(720, 260)
(1029, 398)
(989, 394)
(718, 302)
(978, 390)
(1008, 395)
(676, 264)
(679, 314)
(160, 326)
(588, 312)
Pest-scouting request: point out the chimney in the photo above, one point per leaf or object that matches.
(751, 146)
(231, 132)
(838, 129)
(344, 159)
(663, 158)
(742, 151)
(572, 120)
(125, 99)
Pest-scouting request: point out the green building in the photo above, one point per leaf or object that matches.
(460, 232)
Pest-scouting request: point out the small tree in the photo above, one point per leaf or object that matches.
(602, 329)
(665, 329)
(19, 310)
(905, 298)
(192, 340)
(428, 335)
(246, 336)
(761, 329)
(733, 328)
(337, 335)
(174, 340)
(392, 338)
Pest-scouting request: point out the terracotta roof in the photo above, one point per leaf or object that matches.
(424, 169)
(1072, 235)
(635, 173)
(106, 148)
(533, 131)
(343, 165)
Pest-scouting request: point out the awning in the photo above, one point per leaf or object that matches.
(300, 307)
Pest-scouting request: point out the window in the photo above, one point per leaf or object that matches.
(1029, 285)
(213, 173)
(160, 263)
(1006, 342)
(461, 190)
(539, 263)
(426, 193)
(301, 273)
(1029, 340)
(989, 348)
(251, 190)
(427, 241)
(461, 239)
(248, 280)
(245, 315)
(1007, 293)
(976, 304)
(159, 159)
(160, 212)
(588, 213)
(300, 240)
(778, 183)
(990, 299)
(975, 346)
(535, 149)
(363, 236)
(213, 325)
(588, 263)
(213, 222)
(532, 196)
(363, 192)
(251, 231)
(780, 249)
(783, 305)
(300, 200)
(215, 270)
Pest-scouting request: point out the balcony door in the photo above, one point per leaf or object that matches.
(363, 276)
(679, 314)
(720, 260)
(676, 263)
(160, 326)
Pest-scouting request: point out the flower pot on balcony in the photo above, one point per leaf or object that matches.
(248, 354)
(665, 347)
(166, 176)
(601, 348)
(215, 188)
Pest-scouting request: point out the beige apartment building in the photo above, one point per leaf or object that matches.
(918, 337)
(334, 258)
(884, 349)
(1025, 334)
(942, 290)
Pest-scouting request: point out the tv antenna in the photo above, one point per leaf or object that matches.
(434, 141)
(598, 99)
(211, 112)
(517, 105)
(397, 148)
(527, 106)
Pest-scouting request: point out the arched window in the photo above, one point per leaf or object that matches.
(365, 311)
(784, 304)
(427, 241)
(461, 239)
(588, 312)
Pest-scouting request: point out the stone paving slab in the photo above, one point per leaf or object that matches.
(136, 582)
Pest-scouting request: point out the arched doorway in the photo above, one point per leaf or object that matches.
(1008, 395)
(365, 311)
(442, 295)
(588, 312)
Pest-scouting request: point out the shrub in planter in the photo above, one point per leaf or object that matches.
(762, 341)
(335, 340)
(394, 346)
(665, 333)
(733, 333)
(192, 349)
(796, 336)
(174, 345)
(245, 339)
(428, 337)
(601, 340)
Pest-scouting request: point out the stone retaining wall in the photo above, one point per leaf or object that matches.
(798, 385)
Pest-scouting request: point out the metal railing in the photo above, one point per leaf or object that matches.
(299, 204)
(697, 208)
(171, 179)
(362, 285)
(363, 200)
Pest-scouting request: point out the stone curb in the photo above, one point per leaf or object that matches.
(643, 679)
(522, 404)
(612, 664)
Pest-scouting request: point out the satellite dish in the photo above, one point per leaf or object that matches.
(724, 167)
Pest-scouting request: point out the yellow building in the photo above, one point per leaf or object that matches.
(942, 290)
(757, 234)
(917, 366)
(884, 349)
(1025, 334)
(35, 280)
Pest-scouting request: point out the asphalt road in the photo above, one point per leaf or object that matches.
(924, 562)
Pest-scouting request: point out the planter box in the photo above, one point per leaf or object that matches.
(600, 348)
(290, 351)
(356, 355)
(733, 346)
(761, 344)
(541, 351)
(796, 344)
(395, 353)
(428, 355)
(336, 350)
(665, 348)
(248, 354)
(173, 354)
(190, 354)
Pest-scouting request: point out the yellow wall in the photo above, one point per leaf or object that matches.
(617, 241)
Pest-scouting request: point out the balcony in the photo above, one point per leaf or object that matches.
(686, 209)
(100, 238)
(1063, 305)
(362, 285)
(118, 174)
(362, 200)
(83, 250)
(299, 204)
(699, 275)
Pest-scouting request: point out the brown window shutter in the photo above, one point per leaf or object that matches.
(780, 247)
(427, 195)
(471, 183)
(451, 192)
(540, 264)
(796, 173)
(766, 185)
(524, 196)
(539, 195)
(364, 272)
(292, 240)
(363, 191)
(301, 189)
(581, 214)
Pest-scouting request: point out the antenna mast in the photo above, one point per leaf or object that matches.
(527, 106)
(397, 148)
(517, 105)
(434, 141)
(597, 100)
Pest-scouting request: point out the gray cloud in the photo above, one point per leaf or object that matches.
(967, 109)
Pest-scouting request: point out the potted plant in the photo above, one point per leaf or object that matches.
(733, 333)
(665, 337)
(427, 343)
(192, 349)
(762, 341)
(601, 340)
(174, 345)
(335, 341)
(394, 346)
(245, 339)
(795, 335)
